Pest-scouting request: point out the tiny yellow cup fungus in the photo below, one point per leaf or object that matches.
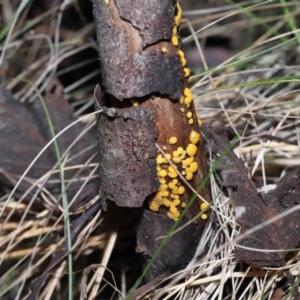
(191, 121)
(204, 216)
(181, 190)
(173, 208)
(187, 72)
(167, 202)
(194, 137)
(176, 202)
(180, 150)
(171, 185)
(189, 176)
(173, 140)
(178, 15)
(182, 58)
(194, 167)
(175, 41)
(174, 30)
(191, 149)
(159, 159)
(203, 206)
(162, 173)
(175, 154)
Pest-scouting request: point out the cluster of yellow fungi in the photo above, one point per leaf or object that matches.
(171, 190)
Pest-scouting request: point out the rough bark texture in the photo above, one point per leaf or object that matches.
(179, 249)
(127, 70)
(127, 155)
(153, 19)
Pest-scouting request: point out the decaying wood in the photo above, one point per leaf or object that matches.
(127, 151)
(128, 69)
(252, 209)
(179, 249)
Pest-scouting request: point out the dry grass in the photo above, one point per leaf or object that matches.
(31, 234)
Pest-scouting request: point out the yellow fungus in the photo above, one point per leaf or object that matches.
(171, 169)
(159, 159)
(189, 114)
(172, 175)
(175, 154)
(187, 72)
(160, 201)
(163, 186)
(168, 156)
(200, 122)
(165, 193)
(191, 149)
(188, 96)
(106, 1)
(176, 202)
(183, 173)
(135, 103)
(178, 15)
(194, 137)
(187, 92)
(174, 30)
(188, 101)
(177, 160)
(171, 216)
(162, 180)
(181, 190)
(175, 41)
(174, 191)
(181, 53)
(162, 173)
(173, 208)
(183, 61)
(164, 49)
(182, 109)
(183, 205)
(181, 100)
(203, 206)
(176, 215)
(182, 58)
(167, 202)
(173, 140)
(180, 150)
(189, 176)
(194, 167)
(164, 147)
(154, 206)
(188, 161)
(158, 169)
(171, 185)
(175, 181)
(204, 216)
(191, 121)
